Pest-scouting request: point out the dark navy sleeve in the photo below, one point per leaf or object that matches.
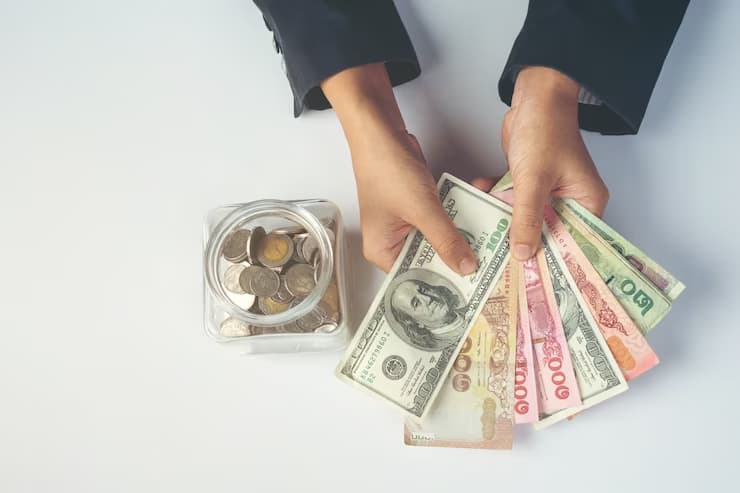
(613, 48)
(319, 38)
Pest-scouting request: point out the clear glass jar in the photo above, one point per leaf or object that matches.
(248, 248)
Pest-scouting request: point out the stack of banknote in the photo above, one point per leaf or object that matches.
(466, 358)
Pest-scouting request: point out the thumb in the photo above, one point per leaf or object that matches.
(530, 197)
(437, 227)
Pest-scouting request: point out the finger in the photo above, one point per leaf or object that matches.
(437, 227)
(382, 258)
(530, 196)
(484, 184)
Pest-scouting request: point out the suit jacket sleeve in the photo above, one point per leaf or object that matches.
(319, 38)
(613, 48)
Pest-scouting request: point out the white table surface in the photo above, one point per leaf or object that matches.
(121, 123)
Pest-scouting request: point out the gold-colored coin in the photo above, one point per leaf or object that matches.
(331, 298)
(271, 307)
(275, 250)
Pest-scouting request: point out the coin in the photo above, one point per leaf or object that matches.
(290, 230)
(235, 245)
(313, 319)
(299, 280)
(282, 295)
(331, 235)
(265, 282)
(331, 298)
(231, 278)
(328, 224)
(233, 327)
(253, 243)
(309, 248)
(297, 244)
(275, 250)
(243, 300)
(270, 307)
(328, 327)
(246, 276)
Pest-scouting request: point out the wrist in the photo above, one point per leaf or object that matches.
(362, 98)
(548, 87)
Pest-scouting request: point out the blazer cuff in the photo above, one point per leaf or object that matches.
(319, 39)
(615, 60)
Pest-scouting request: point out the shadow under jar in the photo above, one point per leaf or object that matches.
(274, 278)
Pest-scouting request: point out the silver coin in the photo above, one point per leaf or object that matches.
(231, 278)
(265, 282)
(332, 236)
(253, 243)
(282, 295)
(327, 327)
(244, 301)
(235, 245)
(299, 280)
(290, 230)
(313, 319)
(275, 250)
(329, 224)
(233, 327)
(309, 248)
(246, 276)
(297, 253)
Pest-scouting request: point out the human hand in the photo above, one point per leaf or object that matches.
(546, 154)
(396, 193)
(395, 189)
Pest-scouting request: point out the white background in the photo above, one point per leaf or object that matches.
(122, 123)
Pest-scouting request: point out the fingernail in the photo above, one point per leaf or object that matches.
(523, 252)
(468, 266)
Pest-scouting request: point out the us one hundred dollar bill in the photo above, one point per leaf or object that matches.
(415, 327)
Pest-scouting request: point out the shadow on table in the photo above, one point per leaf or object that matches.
(632, 208)
(362, 278)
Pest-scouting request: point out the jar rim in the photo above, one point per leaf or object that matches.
(249, 212)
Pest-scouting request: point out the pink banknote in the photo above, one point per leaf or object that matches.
(629, 347)
(556, 380)
(526, 409)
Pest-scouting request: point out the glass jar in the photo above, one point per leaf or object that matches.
(261, 293)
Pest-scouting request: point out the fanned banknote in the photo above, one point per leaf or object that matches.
(405, 346)
(620, 246)
(555, 378)
(597, 373)
(629, 347)
(643, 301)
(657, 274)
(526, 407)
(475, 406)
(556, 381)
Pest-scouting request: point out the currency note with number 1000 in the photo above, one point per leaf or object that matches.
(405, 346)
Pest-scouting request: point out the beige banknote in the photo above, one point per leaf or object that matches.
(475, 407)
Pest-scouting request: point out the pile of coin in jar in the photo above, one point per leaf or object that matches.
(269, 273)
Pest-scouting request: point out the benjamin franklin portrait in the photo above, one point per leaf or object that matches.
(425, 309)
